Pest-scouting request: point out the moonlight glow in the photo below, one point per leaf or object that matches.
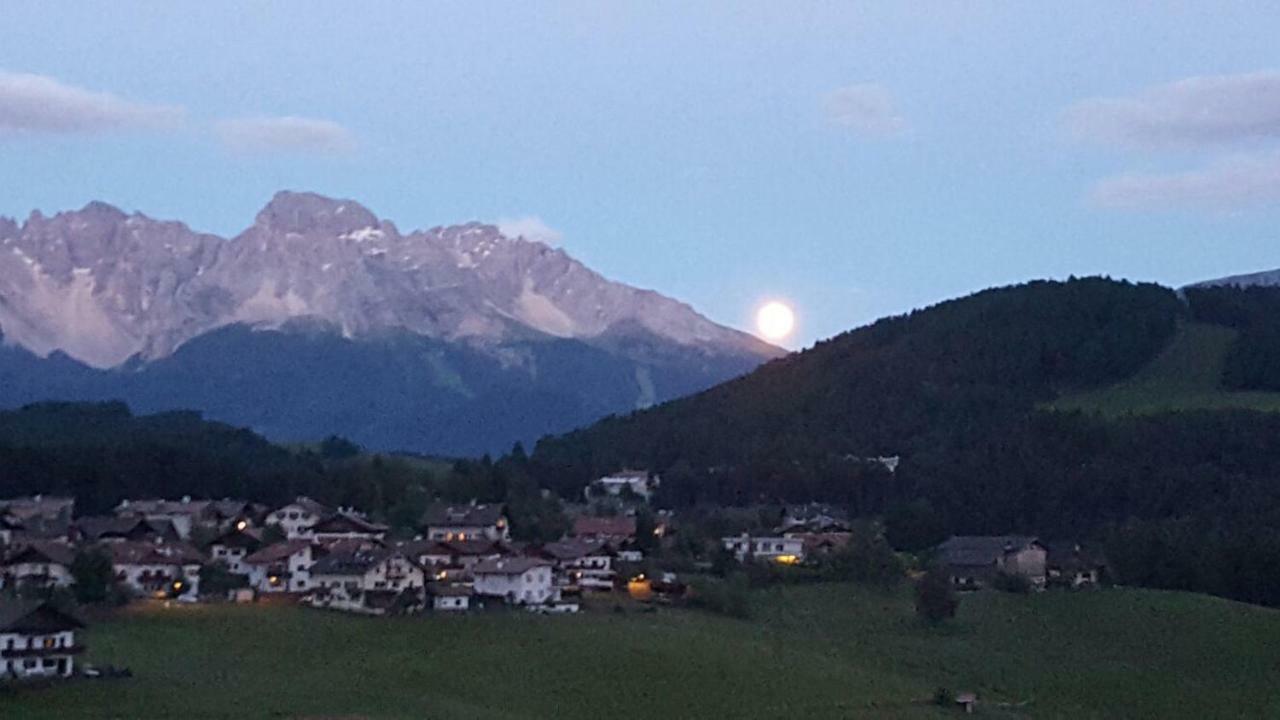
(775, 321)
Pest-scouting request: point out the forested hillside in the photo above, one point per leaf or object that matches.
(960, 392)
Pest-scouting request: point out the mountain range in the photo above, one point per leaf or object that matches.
(321, 318)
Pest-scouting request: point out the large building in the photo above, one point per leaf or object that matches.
(974, 561)
(37, 640)
(466, 522)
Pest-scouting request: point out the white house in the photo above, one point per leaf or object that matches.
(157, 569)
(37, 640)
(782, 550)
(465, 522)
(449, 598)
(298, 515)
(637, 482)
(368, 581)
(38, 564)
(517, 580)
(282, 567)
(233, 546)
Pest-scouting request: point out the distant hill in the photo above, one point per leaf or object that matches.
(1266, 278)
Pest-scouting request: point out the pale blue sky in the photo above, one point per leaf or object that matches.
(857, 161)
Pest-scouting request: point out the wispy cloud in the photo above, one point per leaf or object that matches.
(867, 109)
(285, 134)
(41, 104)
(1195, 112)
(530, 227)
(1234, 183)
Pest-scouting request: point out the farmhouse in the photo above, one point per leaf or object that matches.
(1072, 565)
(974, 561)
(42, 564)
(344, 526)
(518, 581)
(157, 569)
(298, 515)
(465, 522)
(233, 546)
(282, 567)
(782, 550)
(370, 581)
(37, 640)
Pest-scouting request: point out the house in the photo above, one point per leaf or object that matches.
(343, 526)
(298, 515)
(42, 564)
(185, 514)
(465, 522)
(1072, 565)
(974, 561)
(233, 546)
(517, 580)
(447, 597)
(37, 640)
(9, 527)
(637, 483)
(110, 528)
(822, 544)
(374, 581)
(587, 564)
(282, 567)
(228, 513)
(157, 569)
(781, 550)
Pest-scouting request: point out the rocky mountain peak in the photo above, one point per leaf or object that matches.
(306, 213)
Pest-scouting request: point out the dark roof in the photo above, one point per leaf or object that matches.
(354, 563)
(463, 515)
(447, 590)
(153, 553)
(277, 552)
(9, 522)
(160, 506)
(35, 616)
(312, 506)
(473, 548)
(574, 549)
(42, 551)
(133, 527)
(508, 566)
(248, 538)
(1067, 554)
(25, 508)
(618, 526)
(981, 549)
(345, 523)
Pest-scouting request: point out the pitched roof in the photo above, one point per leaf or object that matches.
(618, 526)
(345, 522)
(246, 538)
(160, 506)
(97, 527)
(153, 553)
(42, 551)
(24, 508)
(981, 549)
(448, 590)
(356, 562)
(279, 551)
(38, 616)
(463, 515)
(473, 548)
(314, 507)
(574, 549)
(508, 566)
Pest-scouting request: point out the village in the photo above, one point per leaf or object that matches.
(461, 558)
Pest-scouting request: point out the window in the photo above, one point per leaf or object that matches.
(28, 664)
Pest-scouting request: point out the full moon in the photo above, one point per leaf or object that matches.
(775, 321)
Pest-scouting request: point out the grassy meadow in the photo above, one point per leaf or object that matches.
(829, 651)
(1186, 375)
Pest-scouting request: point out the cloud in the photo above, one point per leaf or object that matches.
(1195, 112)
(1233, 183)
(530, 227)
(867, 109)
(41, 104)
(285, 134)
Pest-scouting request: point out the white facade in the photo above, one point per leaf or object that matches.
(636, 481)
(293, 519)
(45, 574)
(24, 655)
(515, 582)
(450, 603)
(774, 549)
(346, 590)
(233, 557)
(160, 579)
(288, 574)
(592, 572)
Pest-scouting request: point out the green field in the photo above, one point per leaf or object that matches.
(1187, 375)
(830, 651)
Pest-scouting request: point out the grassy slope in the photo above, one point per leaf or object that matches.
(1185, 376)
(813, 652)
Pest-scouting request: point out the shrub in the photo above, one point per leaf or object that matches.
(729, 597)
(1011, 583)
(935, 598)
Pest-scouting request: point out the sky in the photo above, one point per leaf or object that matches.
(853, 159)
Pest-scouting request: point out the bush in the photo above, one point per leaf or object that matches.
(935, 598)
(94, 575)
(867, 558)
(1011, 583)
(729, 597)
